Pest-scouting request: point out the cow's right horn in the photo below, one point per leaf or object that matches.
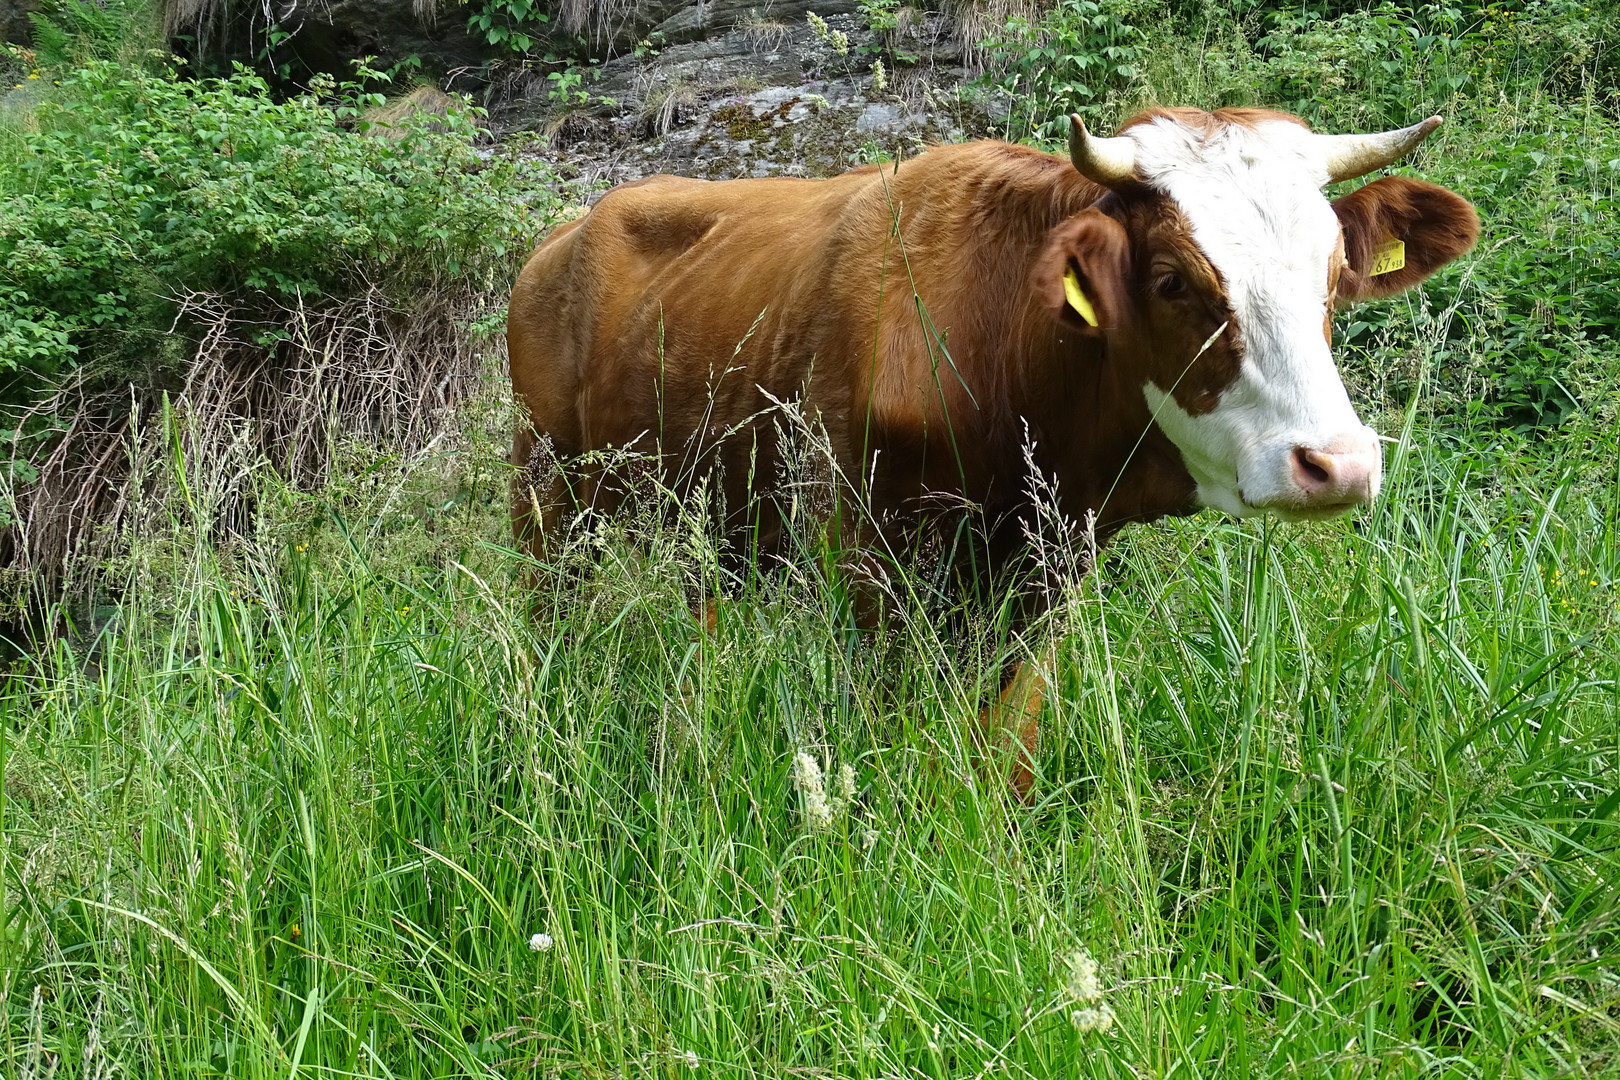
(1108, 162)
(1350, 156)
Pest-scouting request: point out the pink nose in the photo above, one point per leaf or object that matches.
(1333, 477)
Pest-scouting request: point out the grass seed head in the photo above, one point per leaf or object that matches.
(1099, 1019)
(1084, 986)
(807, 777)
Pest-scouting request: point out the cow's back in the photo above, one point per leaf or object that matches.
(661, 277)
(666, 316)
(676, 310)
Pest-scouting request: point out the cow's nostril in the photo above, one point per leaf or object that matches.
(1312, 468)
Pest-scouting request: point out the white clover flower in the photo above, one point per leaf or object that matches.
(818, 810)
(541, 943)
(690, 1059)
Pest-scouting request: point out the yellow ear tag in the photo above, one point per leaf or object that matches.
(1077, 298)
(1388, 257)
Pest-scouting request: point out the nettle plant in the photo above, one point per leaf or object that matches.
(884, 19)
(1383, 63)
(1068, 60)
(511, 25)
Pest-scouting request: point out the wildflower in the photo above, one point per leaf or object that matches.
(295, 933)
(541, 943)
(689, 1058)
(818, 810)
(406, 610)
(835, 38)
(880, 78)
(869, 839)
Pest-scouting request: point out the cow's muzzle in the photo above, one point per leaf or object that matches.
(1334, 478)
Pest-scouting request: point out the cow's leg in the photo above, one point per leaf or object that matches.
(1013, 723)
(541, 499)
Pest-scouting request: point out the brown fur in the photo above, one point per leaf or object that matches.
(1437, 226)
(816, 262)
(668, 318)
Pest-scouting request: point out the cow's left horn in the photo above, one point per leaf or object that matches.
(1104, 161)
(1350, 156)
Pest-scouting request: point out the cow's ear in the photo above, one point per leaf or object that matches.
(1397, 232)
(1080, 275)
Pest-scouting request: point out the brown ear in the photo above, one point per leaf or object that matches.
(1436, 226)
(1095, 245)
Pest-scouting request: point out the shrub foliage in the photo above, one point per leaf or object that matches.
(138, 186)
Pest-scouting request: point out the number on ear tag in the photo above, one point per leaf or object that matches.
(1388, 257)
(1077, 297)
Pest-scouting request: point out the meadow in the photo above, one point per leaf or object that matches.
(1335, 799)
(312, 777)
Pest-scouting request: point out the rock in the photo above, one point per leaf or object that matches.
(760, 98)
(329, 36)
(700, 19)
(880, 116)
(15, 26)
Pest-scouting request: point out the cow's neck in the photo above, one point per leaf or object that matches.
(1100, 442)
(1090, 423)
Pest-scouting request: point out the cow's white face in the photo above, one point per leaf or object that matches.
(1283, 436)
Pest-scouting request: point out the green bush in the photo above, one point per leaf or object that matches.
(1379, 64)
(138, 186)
(1066, 61)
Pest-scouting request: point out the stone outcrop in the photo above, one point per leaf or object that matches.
(710, 88)
(760, 96)
(327, 35)
(15, 26)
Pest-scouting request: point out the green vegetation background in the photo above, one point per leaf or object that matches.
(337, 795)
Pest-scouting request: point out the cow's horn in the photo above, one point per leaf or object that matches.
(1350, 156)
(1104, 161)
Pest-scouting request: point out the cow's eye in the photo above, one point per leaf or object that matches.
(1172, 285)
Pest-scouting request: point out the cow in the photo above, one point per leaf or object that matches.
(1149, 320)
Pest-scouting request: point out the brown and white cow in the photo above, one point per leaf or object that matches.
(1153, 313)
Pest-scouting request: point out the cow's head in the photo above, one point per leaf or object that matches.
(1217, 267)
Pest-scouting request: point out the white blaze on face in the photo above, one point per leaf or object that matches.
(1253, 201)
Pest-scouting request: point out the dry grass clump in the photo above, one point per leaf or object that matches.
(761, 33)
(669, 105)
(599, 20)
(391, 120)
(976, 20)
(273, 385)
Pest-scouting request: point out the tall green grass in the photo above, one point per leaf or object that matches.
(1336, 799)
